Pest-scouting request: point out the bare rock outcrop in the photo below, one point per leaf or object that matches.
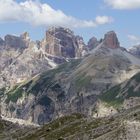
(92, 43)
(111, 40)
(14, 42)
(62, 42)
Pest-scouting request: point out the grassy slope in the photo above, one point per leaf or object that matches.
(116, 95)
(40, 82)
(73, 127)
(47, 80)
(9, 131)
(77, 126)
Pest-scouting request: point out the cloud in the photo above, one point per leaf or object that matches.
(123, 4)
(134, 39)
(103, 19)
(41, 14)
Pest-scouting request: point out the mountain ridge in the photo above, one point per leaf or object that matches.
(72, 87)
(21, 58)
(59, 76)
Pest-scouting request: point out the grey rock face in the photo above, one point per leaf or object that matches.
(63, 43)
(92, 43)
(111, 40)
(25, 36)
(135, 50)
(22, 58)
(14, 42)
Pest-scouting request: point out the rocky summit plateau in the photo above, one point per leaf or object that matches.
(60, 88)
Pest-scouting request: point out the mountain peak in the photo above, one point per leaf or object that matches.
(92, 43)
(15, 42)
(111, 40)
(25, 36)
(53, 30)
(62, 42)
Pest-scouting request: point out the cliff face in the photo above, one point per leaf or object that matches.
(62, 42)
(15, 42)
(22, 58)
(111, 40)
(93, 43)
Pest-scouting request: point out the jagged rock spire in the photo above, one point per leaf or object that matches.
(111, 40)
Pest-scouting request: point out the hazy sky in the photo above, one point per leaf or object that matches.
(86, 17)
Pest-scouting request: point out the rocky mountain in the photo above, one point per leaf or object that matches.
(21, 58)
(74, 86)
(92, 43)
(135, 50)
(62, 42)
(111, 40)
(60, 88)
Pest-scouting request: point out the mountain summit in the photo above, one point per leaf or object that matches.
(111, 40)
(62, 42)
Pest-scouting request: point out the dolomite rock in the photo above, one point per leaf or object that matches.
(111, 40)
(92, 43)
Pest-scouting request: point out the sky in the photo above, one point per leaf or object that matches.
(86, 18)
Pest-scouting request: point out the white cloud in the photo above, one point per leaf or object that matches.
(103, 19)
(41, 14)
(134, 39)
(123, 4)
